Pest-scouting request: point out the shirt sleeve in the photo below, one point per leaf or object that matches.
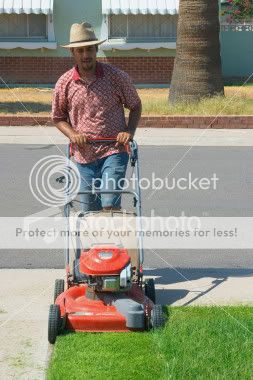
(129, 96)
(59, 104)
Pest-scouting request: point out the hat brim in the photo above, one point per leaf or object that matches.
(81, 44)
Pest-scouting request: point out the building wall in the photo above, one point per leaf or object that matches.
(65, 14)
(18, 65)
(237, 54)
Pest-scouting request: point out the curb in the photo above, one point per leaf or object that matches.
(49, 356)
(217, 122)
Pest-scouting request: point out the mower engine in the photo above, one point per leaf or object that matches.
(108, 268)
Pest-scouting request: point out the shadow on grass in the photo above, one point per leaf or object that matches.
(17, 107)
(67, 332)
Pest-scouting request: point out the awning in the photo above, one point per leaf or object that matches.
(27, 6)
(140, 7)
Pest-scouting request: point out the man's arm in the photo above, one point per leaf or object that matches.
(60, 114)
(74, 137)
(133, 120)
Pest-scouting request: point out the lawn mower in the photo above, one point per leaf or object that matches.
(105, 290)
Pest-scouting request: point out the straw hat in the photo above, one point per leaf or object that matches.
(82, 35)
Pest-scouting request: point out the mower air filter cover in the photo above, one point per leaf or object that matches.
(102, 261)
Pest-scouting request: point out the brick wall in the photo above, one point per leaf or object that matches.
(220, 122)
(46, 70)
(145, 69)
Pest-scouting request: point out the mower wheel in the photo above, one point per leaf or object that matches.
(150, 289)
(58, 288)
(157, 317)
(54, 322)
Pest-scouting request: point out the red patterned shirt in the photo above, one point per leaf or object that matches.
(95, 109)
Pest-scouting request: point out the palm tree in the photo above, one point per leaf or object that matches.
(197, 69)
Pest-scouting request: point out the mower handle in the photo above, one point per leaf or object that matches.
(102, 140)
(96, 140)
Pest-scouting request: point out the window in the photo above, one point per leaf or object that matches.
(143, 28)
(27, 24)
(23, 27)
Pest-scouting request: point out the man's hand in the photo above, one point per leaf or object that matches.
(123, 138)
(79, 139)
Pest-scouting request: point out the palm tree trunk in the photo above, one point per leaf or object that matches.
(197, 70)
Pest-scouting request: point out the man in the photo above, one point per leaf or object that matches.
(88, 103)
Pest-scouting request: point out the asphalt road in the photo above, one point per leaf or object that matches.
(233, 197)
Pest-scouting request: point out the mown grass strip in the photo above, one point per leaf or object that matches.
(197, 343)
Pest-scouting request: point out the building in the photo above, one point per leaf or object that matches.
(140, 34)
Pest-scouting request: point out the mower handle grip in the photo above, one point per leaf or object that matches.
(101, 140)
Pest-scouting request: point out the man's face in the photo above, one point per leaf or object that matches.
(85, 57)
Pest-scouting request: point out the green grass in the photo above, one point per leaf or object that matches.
(197, 343)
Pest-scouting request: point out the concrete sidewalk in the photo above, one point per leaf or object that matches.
(150, 136)
(26, 295)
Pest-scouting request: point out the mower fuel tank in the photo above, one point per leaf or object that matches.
(104, 261)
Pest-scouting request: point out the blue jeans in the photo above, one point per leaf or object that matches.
(107, 173)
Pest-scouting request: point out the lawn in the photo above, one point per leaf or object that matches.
(196, 343)
(238, 101)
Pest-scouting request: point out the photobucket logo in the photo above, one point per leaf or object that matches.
(157, 183)
(43, 184)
